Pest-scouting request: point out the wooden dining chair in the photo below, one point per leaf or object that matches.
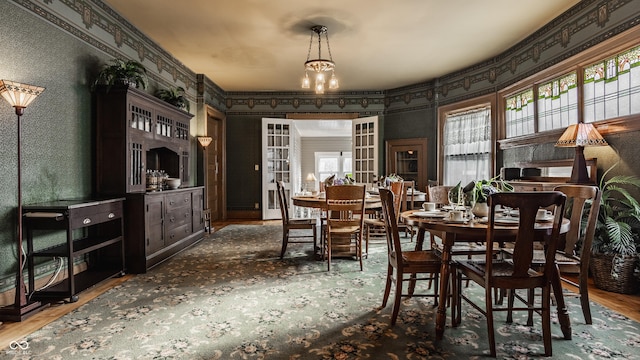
(408, 203)
(515, 273)
(404, 263)
(572, 257)
(376, 225)
(289, 223)
(345, 221)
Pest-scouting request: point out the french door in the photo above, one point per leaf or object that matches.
(365, 148)
(280, 146)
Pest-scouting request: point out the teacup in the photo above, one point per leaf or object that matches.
(541, 214)
(429, 206)
(456, 215)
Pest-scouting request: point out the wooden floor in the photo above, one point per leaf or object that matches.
(628, 305)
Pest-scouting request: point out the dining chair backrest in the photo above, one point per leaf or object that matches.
(282, 201)
(439, 194)
(408, 195)
(345, 204)
(578, 197)
(528, 204)
(399, 193)
(389, 211)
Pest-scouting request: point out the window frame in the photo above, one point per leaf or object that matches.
(577, 63)
(466, 105)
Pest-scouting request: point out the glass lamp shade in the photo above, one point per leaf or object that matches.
(205, 140)
(19, 95)
(581, 135)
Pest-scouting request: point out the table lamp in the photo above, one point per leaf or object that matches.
(311, 182)
(580, 135)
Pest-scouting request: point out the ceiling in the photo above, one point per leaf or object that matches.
(253, 45)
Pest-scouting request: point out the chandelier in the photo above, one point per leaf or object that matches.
(319, 66)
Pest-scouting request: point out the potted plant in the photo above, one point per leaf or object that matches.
(129, 72)
(616, 240)
(480, 191)
(174, 96)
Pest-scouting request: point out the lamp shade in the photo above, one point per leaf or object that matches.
(311, 177)
(205, 140)
(581, 135)
(17, 94)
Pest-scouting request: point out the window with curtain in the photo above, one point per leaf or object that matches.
(467, 146)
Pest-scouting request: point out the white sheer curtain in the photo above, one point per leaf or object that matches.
(467, 146)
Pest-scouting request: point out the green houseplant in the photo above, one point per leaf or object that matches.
(617, 235)
(129, 72)
(174, 96)
(481, 190)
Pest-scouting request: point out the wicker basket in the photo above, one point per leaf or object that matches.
(601, 268)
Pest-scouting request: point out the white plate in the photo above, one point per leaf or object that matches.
(433, 214)
(507, 221)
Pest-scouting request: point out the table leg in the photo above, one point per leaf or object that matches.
(445, 270)
(420, 238)
(419, 242)
(563, 315)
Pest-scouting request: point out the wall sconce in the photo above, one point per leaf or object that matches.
(19, 96)
(205, 141)
(580, 135)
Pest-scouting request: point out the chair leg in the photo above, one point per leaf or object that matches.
(387, 287)
(398, 298)
(328, 252)
(530, 300)
(490, 328)
(285, 241)
(510, 299)
(456, 299)
(584, 299)
(546, 319)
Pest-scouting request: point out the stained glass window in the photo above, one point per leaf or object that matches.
(558, 102)
(612, 87)
(520, 114)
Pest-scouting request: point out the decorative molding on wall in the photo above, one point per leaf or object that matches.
(584, 25)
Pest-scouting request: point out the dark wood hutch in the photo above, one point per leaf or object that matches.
(137, 132)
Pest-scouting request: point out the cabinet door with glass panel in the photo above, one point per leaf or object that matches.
(408, 159)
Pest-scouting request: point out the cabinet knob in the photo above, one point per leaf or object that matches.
(172, 219)
(111, 215)
(86, 221)
(171, 202)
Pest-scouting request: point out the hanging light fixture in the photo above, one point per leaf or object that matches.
(319, 66)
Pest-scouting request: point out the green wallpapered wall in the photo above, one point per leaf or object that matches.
(57, 138)
(56, 127)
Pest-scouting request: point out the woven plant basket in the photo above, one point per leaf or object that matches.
(604, 271)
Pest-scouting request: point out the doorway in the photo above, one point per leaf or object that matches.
(215, 165)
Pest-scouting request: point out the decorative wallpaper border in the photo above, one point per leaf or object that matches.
(95, 23)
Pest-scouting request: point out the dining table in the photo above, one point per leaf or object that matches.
(318, 201)
(475, 230)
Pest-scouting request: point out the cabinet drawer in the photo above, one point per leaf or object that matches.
(94, 215)
(178, 200)
(177, 233)
(178, 217)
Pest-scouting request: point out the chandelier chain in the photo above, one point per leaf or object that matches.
(326, 35)
(310, 44)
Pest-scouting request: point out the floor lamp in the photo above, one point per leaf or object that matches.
(580, 135)
(19, 96)
(204, 142)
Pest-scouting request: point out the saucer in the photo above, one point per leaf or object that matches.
(462, 221)
(433, 214)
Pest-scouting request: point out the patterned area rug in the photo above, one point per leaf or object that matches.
(231, 297)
